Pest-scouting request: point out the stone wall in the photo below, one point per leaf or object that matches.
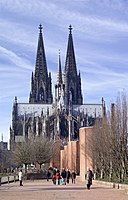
(75, 155)
(85, 161)
(55, 161)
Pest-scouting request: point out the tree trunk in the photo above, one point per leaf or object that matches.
(101, 174)
(40, 166)
(25, 168)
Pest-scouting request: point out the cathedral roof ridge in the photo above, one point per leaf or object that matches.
(98, 104)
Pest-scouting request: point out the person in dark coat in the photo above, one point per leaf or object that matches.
(54, 175)
(64, 175)
(48, 175)
(68, 175)
(89, 177)
(73, 177)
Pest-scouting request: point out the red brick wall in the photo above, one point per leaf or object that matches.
(85, 160)
(75, 155)
(55, 161)
(70, 156)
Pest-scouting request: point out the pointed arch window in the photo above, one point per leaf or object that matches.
(41, 94)
(71, 94)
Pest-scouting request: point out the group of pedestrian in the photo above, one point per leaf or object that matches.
(63, 177)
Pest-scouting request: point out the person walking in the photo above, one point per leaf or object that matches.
(64, 175)
(89, 176)
(21, 177)
(54, 176)
(73, 177)
(68, 175)
(48, 175)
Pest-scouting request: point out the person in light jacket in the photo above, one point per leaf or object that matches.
(20, 177)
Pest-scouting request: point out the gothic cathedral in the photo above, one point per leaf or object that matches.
(59, 119)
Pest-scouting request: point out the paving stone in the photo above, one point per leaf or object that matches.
(43, 190)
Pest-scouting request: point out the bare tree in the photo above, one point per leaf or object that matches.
(109, 142)
(99, 147)
(43, 149)
(5, 160)
(23, 153)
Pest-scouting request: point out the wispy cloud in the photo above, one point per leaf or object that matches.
(14, 58)
(59, 13)
(100, 31)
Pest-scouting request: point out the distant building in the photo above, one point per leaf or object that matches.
(58, 119)
(6, 161)
(3, 145)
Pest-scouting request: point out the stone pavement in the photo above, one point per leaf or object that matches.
(43, 190)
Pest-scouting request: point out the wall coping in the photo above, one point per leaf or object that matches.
(8, 179)
(113, 185)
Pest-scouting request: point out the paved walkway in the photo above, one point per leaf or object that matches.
(43, 190)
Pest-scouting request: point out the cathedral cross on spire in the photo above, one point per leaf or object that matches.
(40, 28)
(70, 29)
(59, 52)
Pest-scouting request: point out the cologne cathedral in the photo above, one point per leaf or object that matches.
(58, 119)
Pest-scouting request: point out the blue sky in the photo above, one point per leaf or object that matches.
(100, 34)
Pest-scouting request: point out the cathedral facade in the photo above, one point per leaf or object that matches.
(59, 119)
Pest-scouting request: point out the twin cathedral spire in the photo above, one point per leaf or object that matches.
(68, 84)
